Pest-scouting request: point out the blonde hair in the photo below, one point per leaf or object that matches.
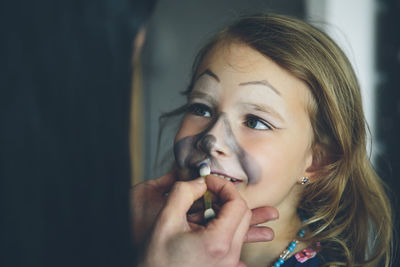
(348, 210)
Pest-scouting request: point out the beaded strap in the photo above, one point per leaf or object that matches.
(285, 254)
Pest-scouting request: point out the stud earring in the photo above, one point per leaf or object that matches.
(304, 180)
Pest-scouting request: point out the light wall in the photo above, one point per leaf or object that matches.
(352, 25)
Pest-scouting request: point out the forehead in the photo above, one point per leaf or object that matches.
(234, 54)
(238, 62)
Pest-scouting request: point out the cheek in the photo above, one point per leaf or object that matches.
(182, 143)
(190, 126)
(185, 152)
(282, 162)
(280, 168)
(266, 150)
(183, 128)
(273, 163)
(269, 154)
(277, 179)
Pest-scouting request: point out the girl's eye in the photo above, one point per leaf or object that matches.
(256, 123)
(200, 110)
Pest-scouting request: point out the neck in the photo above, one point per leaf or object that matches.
(285, 230)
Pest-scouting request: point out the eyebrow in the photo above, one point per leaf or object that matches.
(265, 109)
(210, 73)
(262, 82)
(201, 95)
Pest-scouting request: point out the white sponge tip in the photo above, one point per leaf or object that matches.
(209, 214)
(204, 169)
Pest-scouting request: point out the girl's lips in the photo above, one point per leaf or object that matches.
(226, 177)
(216, 172)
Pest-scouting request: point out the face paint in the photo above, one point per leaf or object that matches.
(207, 82)
(251, 169)
(267, 135)
(207, 143)
(191, 151)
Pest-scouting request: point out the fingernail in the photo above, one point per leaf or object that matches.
(201, 180)
(269, 235)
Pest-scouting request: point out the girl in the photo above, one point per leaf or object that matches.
(274, 107)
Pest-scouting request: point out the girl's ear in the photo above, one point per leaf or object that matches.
(320, 160)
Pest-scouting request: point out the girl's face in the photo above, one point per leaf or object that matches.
(247, 118)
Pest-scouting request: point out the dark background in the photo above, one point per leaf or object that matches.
(388, 103)
(65, 75)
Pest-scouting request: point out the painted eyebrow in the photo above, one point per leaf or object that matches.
(201, 95)
(265, 109)
(210, 73)
(262, 82)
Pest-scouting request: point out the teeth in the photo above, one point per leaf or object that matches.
(226, 178)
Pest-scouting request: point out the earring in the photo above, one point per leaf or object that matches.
(304, 180)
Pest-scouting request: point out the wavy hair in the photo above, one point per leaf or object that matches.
(347, 207)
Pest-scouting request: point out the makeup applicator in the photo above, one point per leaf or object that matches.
(209, 213)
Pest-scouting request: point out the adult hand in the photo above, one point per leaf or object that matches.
(177, 242)
(147, 200)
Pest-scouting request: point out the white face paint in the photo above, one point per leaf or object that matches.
(252, 116)
(207, 84)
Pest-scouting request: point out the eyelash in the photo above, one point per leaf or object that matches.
(194, 109)
(199, 109)
(258, 120)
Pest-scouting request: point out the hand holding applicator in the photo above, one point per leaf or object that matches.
(209, 213)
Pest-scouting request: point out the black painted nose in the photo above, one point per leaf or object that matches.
(206, 143)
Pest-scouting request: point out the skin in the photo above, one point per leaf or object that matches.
(164, 235)
(174, 240)
(191, 151)
(254, 116)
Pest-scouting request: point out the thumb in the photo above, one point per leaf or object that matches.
(180, 199)
(165, 182)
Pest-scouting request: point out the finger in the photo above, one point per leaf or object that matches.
(263, 214)
(180, 198)
(259, 234)
(165, 182)
(240, 234)
(223, 189)
(197, 217)
(229, 243)
(241, 264)
(232, 222)
(233, 207)
(197, 206)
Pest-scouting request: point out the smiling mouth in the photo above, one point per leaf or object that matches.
(226, 177)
